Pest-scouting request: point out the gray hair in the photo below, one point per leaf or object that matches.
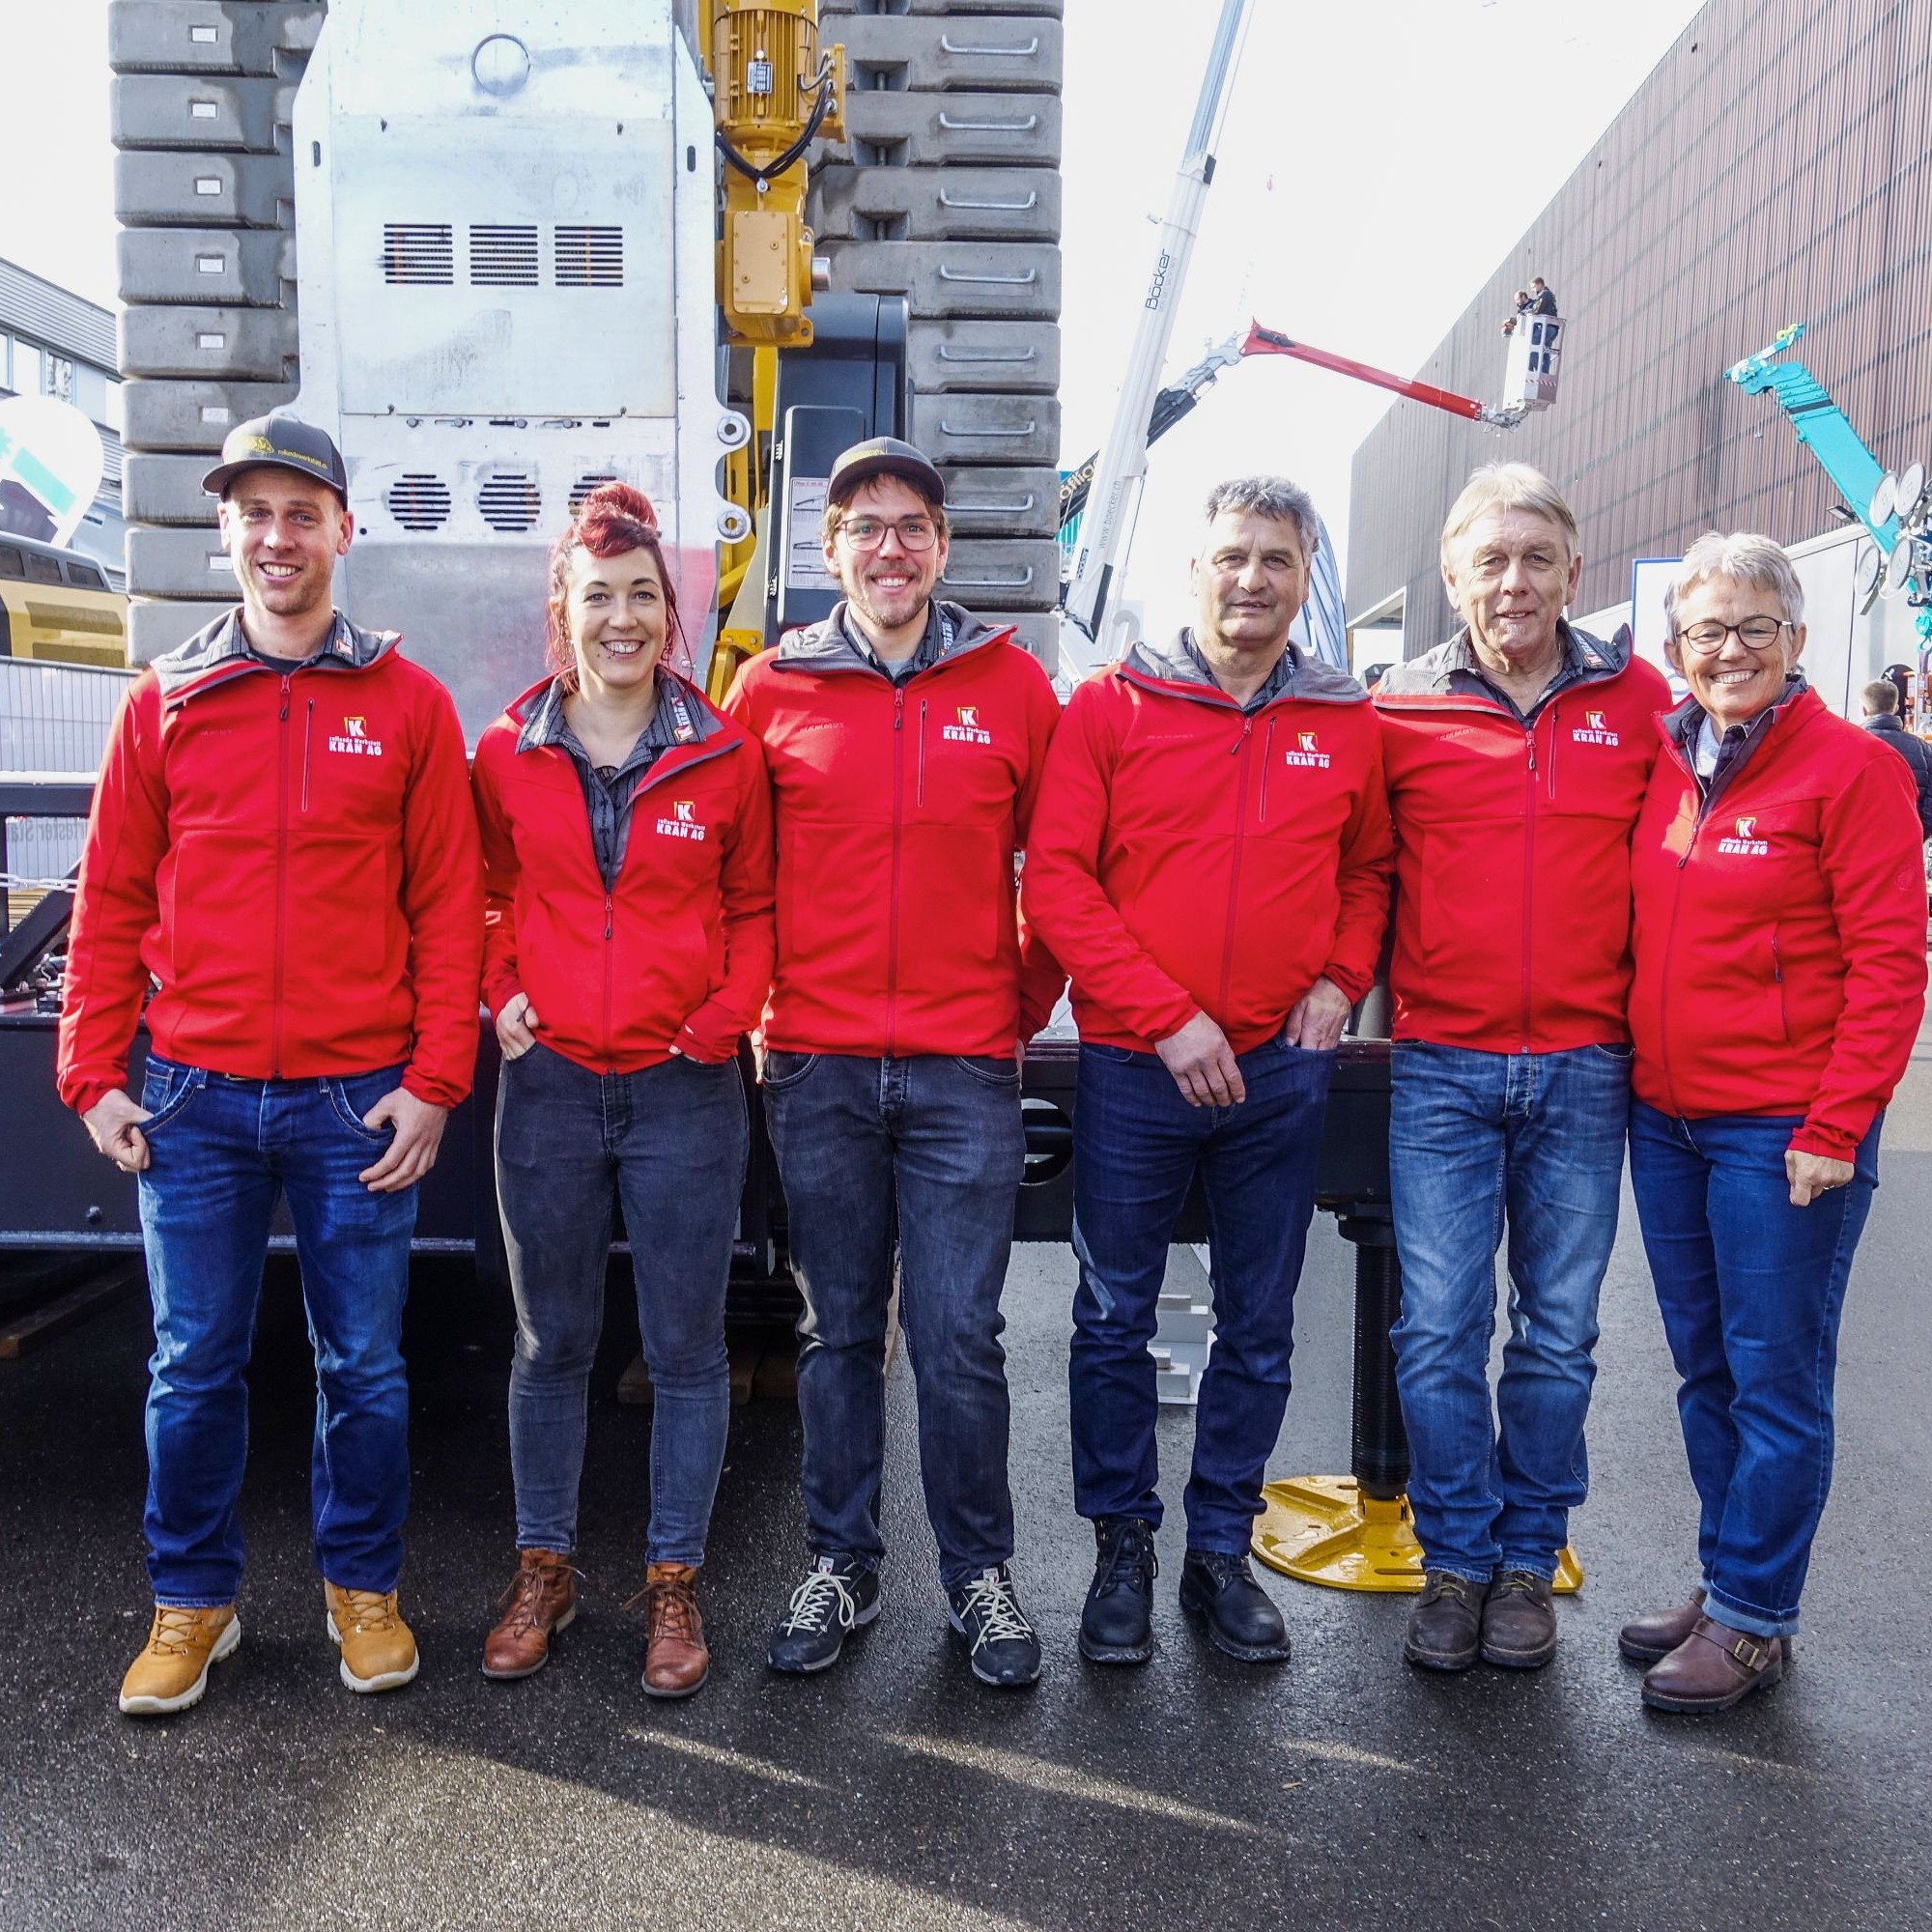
(1275, 498)
(1743, 558)
(1509, 486)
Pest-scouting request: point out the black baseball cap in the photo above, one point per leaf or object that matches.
(278, 441)
(883, 456)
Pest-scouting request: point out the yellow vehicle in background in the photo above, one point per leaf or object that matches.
(57, 606)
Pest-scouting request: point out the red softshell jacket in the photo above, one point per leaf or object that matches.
(1780, 929)
(291, 857)
(680, 952)
(1187, 857)
(902, 810)
(1513, 843)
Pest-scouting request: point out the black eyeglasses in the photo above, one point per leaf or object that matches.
(869, 532)
(1754, 634)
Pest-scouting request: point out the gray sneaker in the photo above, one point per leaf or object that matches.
(1518, 1622)
(1445, 1628)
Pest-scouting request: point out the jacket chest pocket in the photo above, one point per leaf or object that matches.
(348, 767)
(961, 773)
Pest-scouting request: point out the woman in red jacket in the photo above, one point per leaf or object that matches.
(627, 843)
(1781, 979)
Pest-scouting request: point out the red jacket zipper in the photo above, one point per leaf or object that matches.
(308, 729)
(281, 880)
(609, 955)
(1528, 872)
(922, 754)
(1267, 762)
(1240, 747)
(893, 905)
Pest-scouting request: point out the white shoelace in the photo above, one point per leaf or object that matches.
(810, 1606)
(998, 1610)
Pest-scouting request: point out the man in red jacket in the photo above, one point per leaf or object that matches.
(1516, 755)
(282, 844)
(1210, 862)
(905, 741)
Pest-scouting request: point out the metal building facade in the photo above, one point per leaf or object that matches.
(1776, 167)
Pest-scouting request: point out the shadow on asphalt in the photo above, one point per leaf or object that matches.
(1342, 1790)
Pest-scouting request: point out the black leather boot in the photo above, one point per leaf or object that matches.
(1239, 1615)
(1117, 1625)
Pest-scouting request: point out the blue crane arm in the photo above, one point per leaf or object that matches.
(1821, 428)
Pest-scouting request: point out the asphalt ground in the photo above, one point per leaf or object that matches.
(1342, 1790)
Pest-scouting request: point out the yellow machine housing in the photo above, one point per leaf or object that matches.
(776, 94)
(56, 603)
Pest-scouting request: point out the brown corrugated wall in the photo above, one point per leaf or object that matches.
(1776, 167)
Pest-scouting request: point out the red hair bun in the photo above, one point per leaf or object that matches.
(611, 504)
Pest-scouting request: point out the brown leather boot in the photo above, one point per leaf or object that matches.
(1712, 1668)
(676, 1662)
(540, 1601)
(1651, 1638)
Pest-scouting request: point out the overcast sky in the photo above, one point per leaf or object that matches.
(1376, 163)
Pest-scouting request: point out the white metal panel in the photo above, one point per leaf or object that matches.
(505, 214)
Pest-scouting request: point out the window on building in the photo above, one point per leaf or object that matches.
(5, 360)
(56, 377)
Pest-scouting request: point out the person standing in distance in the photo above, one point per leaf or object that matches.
(1516, 756)
(282, 842)
(1210, 862)
(906, 740)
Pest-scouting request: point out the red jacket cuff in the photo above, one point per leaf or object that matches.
(1353, 983)
(1829, 1142)
(90, 1095)
(709, 1035)
(436, 1092)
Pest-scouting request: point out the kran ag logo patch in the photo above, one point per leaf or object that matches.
(1744, 841)
(353, 740)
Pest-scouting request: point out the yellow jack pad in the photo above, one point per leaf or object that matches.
(1321, 1529)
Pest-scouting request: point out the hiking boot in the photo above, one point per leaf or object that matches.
(836, 1597)
(676, 1662)
(1518, 1622)
(540, 1601)
(1241, 1616)
(379, 1652)
(1651, 1639)
(171, 1672)
(1117, 1625)
(1712, 1668)
(1445, 1628)
(986, 1614)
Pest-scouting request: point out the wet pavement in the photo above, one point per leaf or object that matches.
(1343, 1790)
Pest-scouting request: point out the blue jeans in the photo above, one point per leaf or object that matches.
(669, 1143)
(220, 1152)
(1137, 1147)
(929, 1149)
(1750, 1290)
(1476, 1140)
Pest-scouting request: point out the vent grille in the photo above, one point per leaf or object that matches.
(589, 258)
(502, 257)
(510, 502)
(419, 254)
(418, 501)
(583, 487)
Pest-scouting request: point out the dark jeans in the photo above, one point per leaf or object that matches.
(1750, 1290)
(1475, 1140)
(1137, 1147)
(931, 1145)
(669, 1142)
(220, 1153)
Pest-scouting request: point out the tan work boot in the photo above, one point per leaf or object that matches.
(676, 1662)
(540, 1601)
(172, 1671)
(379, 1652)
